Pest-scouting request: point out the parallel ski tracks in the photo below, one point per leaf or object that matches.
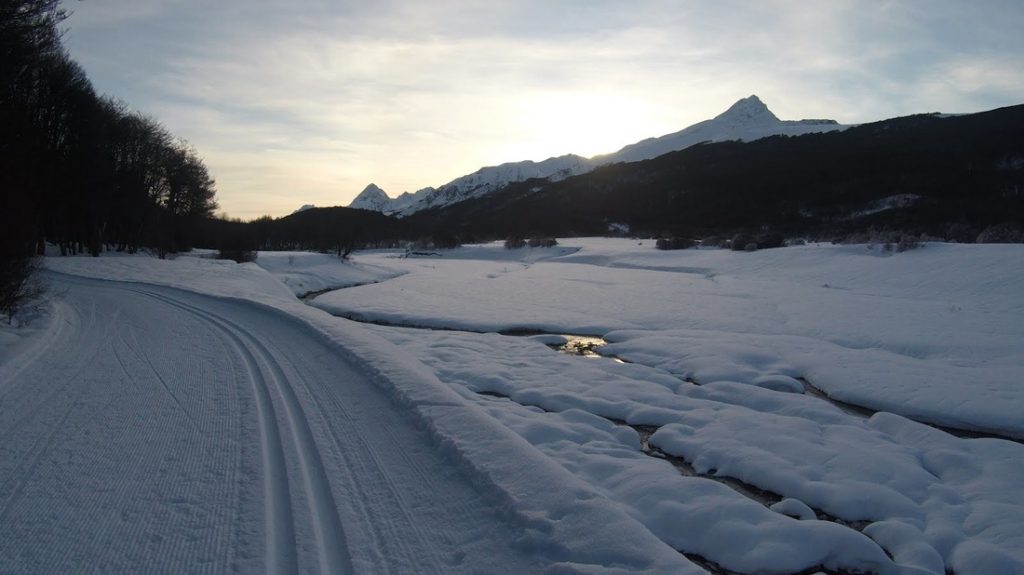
(267, 377)
(195, 434)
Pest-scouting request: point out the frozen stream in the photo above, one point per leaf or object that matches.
(719, 384)
(589, 346)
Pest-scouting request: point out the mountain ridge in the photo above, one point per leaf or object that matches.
(948, 177)
(747, 119)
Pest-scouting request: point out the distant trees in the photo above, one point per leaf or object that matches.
(542, 242)
(1002, 233)
(674, 243)
(515, 242)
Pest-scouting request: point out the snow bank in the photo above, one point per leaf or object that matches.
(563, 518)
(899, 332)
(932, 334)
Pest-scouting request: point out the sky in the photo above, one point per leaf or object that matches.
(293, 103)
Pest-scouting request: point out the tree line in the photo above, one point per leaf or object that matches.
(77, 170)
(82, 171)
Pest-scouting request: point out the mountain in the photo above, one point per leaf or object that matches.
(746, 120)
(487, 180)
(947, 176)
(371, 198)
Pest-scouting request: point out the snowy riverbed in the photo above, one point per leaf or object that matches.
(704, 439)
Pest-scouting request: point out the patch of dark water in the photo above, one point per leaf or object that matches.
(685, 468)
(716, 569)
(766, 498)
(567, 343)
(645, 432)
(312, 295)
(584, 346)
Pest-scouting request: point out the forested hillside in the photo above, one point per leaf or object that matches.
(949, 177)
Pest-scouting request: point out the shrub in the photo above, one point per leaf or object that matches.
(740, 241)
(1005, 233)
(239, 255)
(907, 242)
(766, 240)
(18, 284)
(961, 233)
(514, 243)
(446, 241)
(674, 243)
(542, 242)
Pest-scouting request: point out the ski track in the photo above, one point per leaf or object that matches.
(333, 556)
(194, 437)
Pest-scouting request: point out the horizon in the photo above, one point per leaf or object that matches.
(291, 106)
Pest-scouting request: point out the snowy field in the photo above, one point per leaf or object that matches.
(818, 407)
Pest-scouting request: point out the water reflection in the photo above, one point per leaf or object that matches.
(581, 345)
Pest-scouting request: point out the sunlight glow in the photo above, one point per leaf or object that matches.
(581, 123)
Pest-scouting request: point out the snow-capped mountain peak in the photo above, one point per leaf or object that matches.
(371, 198)
(491, 178)
(746, 120)
(748, 111)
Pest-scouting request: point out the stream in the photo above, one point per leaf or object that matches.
(589, 346)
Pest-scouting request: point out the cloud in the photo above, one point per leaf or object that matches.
(292, 105)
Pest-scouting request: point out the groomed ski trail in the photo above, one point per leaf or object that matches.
(182, 433)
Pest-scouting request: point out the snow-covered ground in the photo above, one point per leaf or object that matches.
(702, 441)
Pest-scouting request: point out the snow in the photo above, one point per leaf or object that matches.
(372, 198)
(306, 273)
(479, 183)
(541, 514)
(887, 203)
(896, 332)
(704, 443)
(930, 334)
(746, 120)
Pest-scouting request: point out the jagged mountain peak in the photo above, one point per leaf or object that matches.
(371, 198)
(750, 110)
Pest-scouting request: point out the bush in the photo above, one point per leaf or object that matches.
(907, 243)
(238, 255)
(714, 242)
(542, 242)
(18, 284)
(674, 243)
(961, 233)
(1005, 233)
(514, 243)
(766, 240)
(446, 241)
(740, 242)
